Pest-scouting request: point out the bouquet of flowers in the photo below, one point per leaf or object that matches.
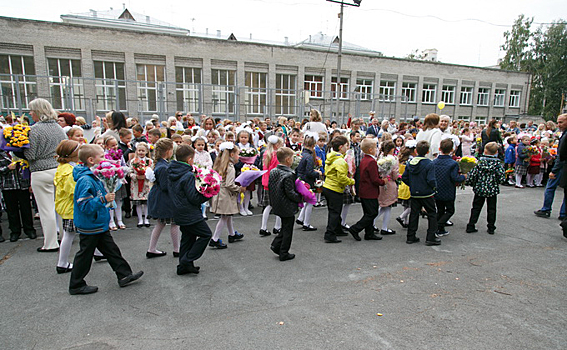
(140, 167)
(466, 164)
(386, 165)
(509, 172)
(318, 163)
(23, 165)
(249, 173)
(113, 154)
(248, 155)
(111, 174)
(478, 145)
(207, 181)
(304, 190)
(296, 160)
(319, 186)
(531, 151)
(15, 138)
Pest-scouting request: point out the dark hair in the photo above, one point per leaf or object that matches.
(200, 139)
(446, 146)
(337, 142)
(118, 120)
(352, 133)
(295, 130)
(184, 152)
(422, 148)
(70, 118)
(490, 126)
(509, 139)
(387, 146)
(155, 132)
(138, 128)
(404, 154)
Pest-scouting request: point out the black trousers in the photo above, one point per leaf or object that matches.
(84, 258)
(19, 210)
(194, 240)
(429, 205)
(282, 242)
(370, 212)
(478, 203)
(335, 206)
(357, 183)
(445, 210)
(126, 203)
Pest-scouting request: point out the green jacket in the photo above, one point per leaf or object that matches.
(336, 173)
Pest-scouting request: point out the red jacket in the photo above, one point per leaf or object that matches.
(370, 179)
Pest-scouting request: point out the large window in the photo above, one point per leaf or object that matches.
(466, 96)
(285, 94)
(514, 98)
(448, 94)
(499, 97)
(187, 85)
(429, 93)
(480, 120)
(387, 91)
(314, 84)
(224, 98)
(110, 86)
(256, 92)
(343, 88)
(364, 87)
(409, 90)
(150, 89)
(66, 85)
(483, 97)
(16, 77)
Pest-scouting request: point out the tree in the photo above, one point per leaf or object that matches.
(517, 50)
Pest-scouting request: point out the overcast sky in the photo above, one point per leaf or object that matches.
(394, 28)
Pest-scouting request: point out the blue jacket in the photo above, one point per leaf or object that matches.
(321, 153)
(522, 158)
(420, 177)
(306, 168)
(510, 155)
(185, 199)
(90, 213)
(447, 177)
(159, 202)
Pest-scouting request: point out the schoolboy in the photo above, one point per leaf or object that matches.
(420, 177)
(153, 136)
(284, 200)
(484, 179)
(125, 145)
(293, 140)
(321, 152)
(138, 133)
(510, 157)
(91, 218)
(370, 182)
(186, 201)
(447, 177)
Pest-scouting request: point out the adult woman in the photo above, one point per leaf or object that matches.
(432, 134)
(491, 134)
(315, 123)
(45, 135)
(114, 122)
(66, 120)
(208, 124)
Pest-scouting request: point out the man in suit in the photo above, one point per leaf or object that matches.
(562, 156)
(374, 128)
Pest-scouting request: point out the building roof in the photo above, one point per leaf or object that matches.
(325, 42)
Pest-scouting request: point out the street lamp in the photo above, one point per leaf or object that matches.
(340, 53)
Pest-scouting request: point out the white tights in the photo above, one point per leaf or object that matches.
(405, 215)
(157, 232)
(116, 212)
(225, 220)
(344, 214)
(266, 215)
(243, 205)
(305, 214)
(142, 211)
(65, 249)
(518, 180)
(387, 211)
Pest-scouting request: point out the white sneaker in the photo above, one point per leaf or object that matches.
(243, 213)
(249, 212)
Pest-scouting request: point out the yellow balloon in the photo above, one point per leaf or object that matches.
(441, 105)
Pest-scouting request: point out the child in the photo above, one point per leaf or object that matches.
(203, 160)
(177, 139)
(370, 182)
(404, 194)
(388, 197)
(535, 164)
(186, 202)
(321, 152)
(159, 200)
(336, 180)
(230, 137)
(269, 162)
(284, 199)
(224, 203)
(140, 185)
(76, 134)
(214, 152)
(293, 140)
(67, 156)
(355, 147)
(522, 160)
(125, 145)
(153, 136)
(510, 155)
(350, 191)
(111, 146)
(420, 177)
(484, 179)
(244, 141)
(398, 142)
(91, 218)
(307, 172)
(138, 133)
(447, 176)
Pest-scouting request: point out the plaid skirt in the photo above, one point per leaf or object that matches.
(521, 169)
(265, 198)
(166, 221)
(348, 198)
(68, 225)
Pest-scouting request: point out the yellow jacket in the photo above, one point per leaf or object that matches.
(64, 190)
(403, 189)
(336, 173)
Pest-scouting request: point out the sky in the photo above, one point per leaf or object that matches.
(393, 28)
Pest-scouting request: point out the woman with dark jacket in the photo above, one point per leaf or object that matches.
(307, 172)
(491, 134)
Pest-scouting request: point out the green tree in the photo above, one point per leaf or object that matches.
(518, 53)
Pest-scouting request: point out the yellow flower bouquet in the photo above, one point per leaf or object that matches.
(15, 138)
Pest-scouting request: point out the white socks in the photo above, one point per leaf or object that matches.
(65, 249)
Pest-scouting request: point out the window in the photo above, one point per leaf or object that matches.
(66, 85)
(256, 92)
(409, 90)
(448, 94)
(365, 88)
(188, 81)
(499, 96)
(514, 98)
(343, 88)
(224, 98)
(110, 86)
(465, 118)
(483, 96)
(150, 91)
(428, 93)
(314, 84)
(466, 96)
(480, 120)
(16, 77)
(285, 94)
(387, 91)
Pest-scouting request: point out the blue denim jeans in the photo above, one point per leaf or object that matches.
(550, 194)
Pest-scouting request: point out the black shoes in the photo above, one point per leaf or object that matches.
(276, 251)
(14, 237)
(372, 237)
(218, 244)
(123, 282)
(52, 250)
(150, 255)
(412, 240)
(435, 241)
(299, 222)
(449, 223)
(2, 239)
(127, 215)
(265, 233)
(61, 270)
(140, 225)
(236, 237)
(148, 225)
(186, 269)
(387, 232)
(309, 228)
(333, 241)
(31, 235)
(355, 235)
(99, 257)
(176, 254)
(398, 219)
(442, 233)
(542, 214)
(288, 256)
(471, 229)
(276, 231)
(83, 290)
(490, 232)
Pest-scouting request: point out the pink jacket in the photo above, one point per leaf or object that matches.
(273, 163)
(203, 159)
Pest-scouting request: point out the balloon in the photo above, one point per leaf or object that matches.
(441, 105)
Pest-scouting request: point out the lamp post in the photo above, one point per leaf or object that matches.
(340, 52)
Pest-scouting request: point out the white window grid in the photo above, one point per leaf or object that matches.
(286, 94)
(343, 88)
(149, 77)
(409, 90)
(448, 94)
(63, 85)
(466, 118)
(514, 99)
(25, 79)
(483, 97)
(224, 96)
(387, 91)
(256, 92)
(365, 88)
(429, 93)
(480, 120)
(107, 85)
(314, 84)
(466, 96)
(188, 81)
(499, 97)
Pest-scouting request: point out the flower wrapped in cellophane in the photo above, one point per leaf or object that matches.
(207, 181)
(466, 164)
(305, 191)
(111, 174)
(248, 174)
(248, 155)
(15, 138)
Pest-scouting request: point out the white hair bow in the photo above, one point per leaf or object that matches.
(226, 145)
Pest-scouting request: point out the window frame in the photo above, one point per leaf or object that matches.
(287, 95)
(365, 90)
(188, 91)
(483, 97)
(515, 97)
(256, 92)
(108, 85)
(66, 84)
(387, 91)
(147, 87)
(226, 92)
(314, 85)
(467, 92)
(407, 88)
(432, 93)
(24, 82)
(448, 91)
(344, 86)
